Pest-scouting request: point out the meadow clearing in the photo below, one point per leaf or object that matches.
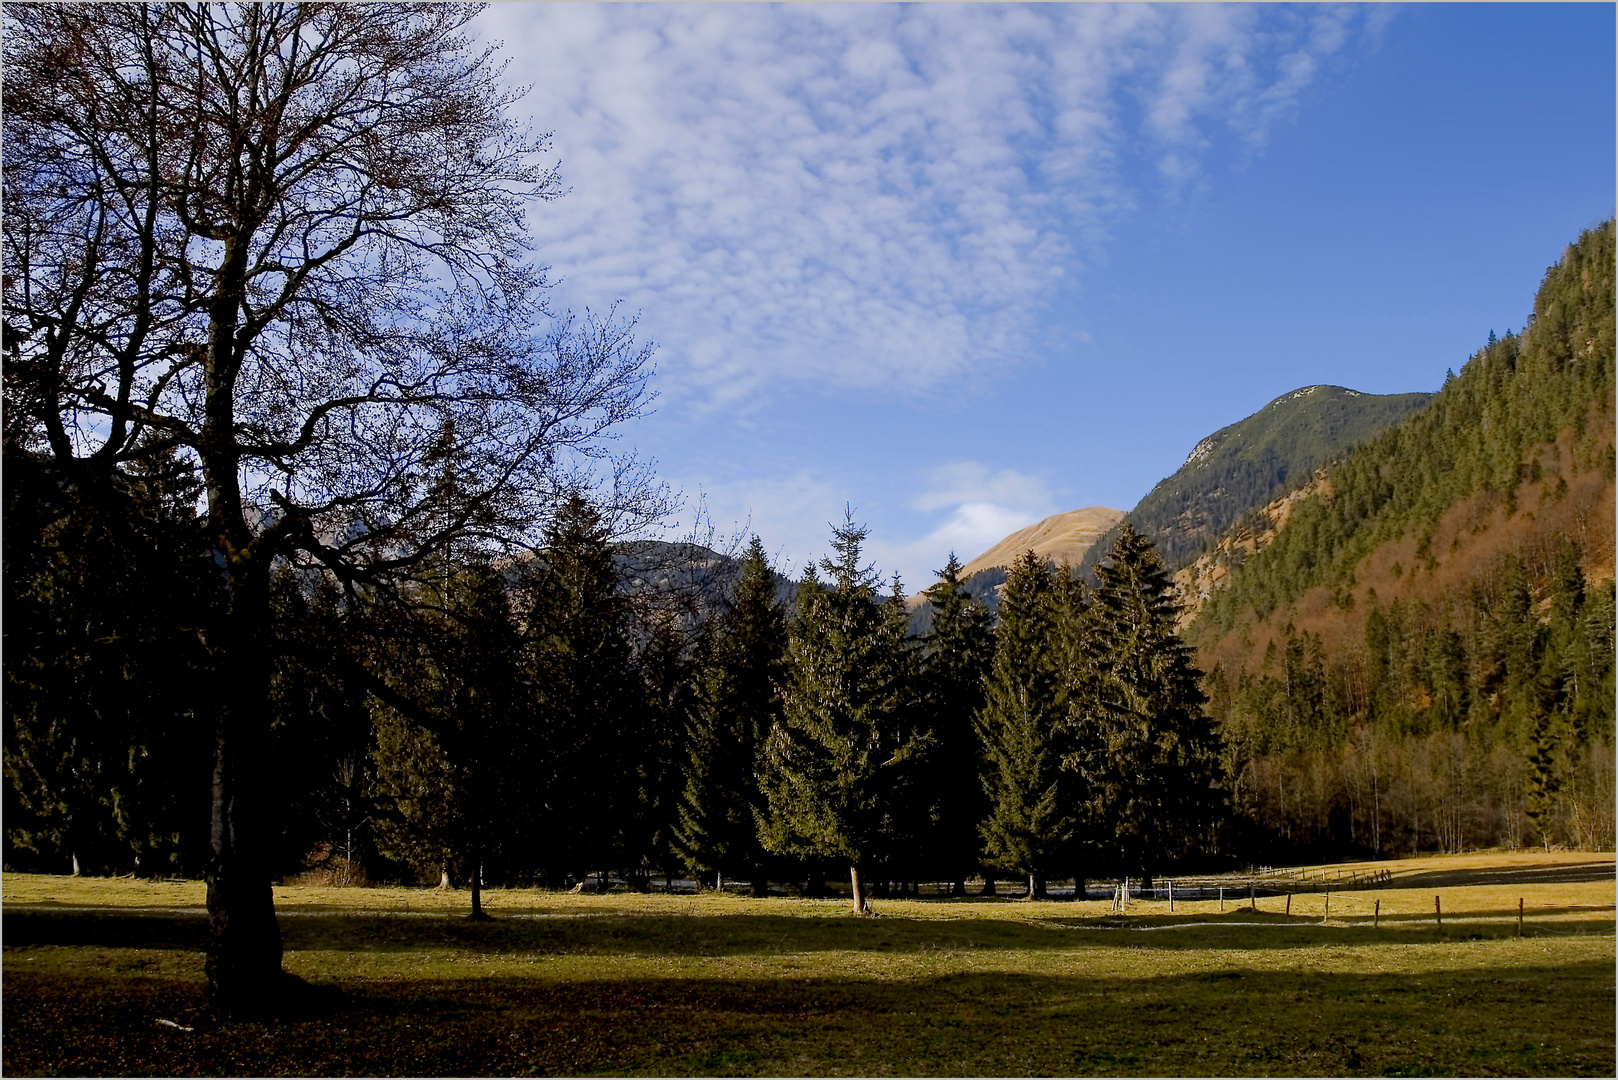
(105, 977)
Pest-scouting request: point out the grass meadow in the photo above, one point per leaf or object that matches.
(106, 977)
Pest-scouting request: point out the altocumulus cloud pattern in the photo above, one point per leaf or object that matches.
(874, 197)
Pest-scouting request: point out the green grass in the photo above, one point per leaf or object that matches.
(623, 984)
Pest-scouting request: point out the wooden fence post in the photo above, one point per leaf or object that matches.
(1289, 904)
(1376, 916)
(1171, 896)
(1221, 898)
(1327, 910)
(1519, 916)
(1438, 913)
(1252, 900)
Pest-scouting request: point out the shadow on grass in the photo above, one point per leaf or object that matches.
(1562, 874)
(1542, 1020)
(761, 934)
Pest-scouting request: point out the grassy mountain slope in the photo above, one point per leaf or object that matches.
(1059, 538)
(1241, 467)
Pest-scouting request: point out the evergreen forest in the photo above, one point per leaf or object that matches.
(1421, 660)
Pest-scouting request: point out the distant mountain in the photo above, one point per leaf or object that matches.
(1059, 538)
(1242, 467)
(661, 577)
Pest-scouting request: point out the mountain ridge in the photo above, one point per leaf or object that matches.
(1245, 465)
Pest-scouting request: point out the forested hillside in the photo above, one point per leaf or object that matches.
(1241, 467)
(1423, 656)
(1420, 658)
(1226, 481)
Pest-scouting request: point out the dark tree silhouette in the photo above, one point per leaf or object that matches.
(959, 650)
(285, 242)
(736, 702)
(1031, 814)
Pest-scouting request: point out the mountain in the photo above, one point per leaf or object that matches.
(1240, 468)
(1059, 538)
(1415, 651)
(1228, 478)
(1195, 584)
(1515, 453)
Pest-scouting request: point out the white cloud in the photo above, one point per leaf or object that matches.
(967, 508)
(984, 507)
(871, 197)
(963, 482)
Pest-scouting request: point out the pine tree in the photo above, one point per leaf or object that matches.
(1021, 727)
(1155, 784)
(579, 657)
(737, 701)
(1083, 738)
(911, 796)
(658, 747)
(106, 763)
(958, 653)
(838, 760)
(1546, 764)
(451, 748)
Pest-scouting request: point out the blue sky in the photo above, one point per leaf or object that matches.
(964, 266)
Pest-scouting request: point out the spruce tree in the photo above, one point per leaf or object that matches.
(1083, 741)
(657, 743)
(106, 763)
(1546, 764)
(1153, 775)
(911, 796)
(839, 760)
(1031, 816)
(579, 662)
(736, 702)
(451, 743)
(957, 654)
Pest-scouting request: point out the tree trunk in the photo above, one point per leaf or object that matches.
(718, 880)
(988, 886)
(477, 890)
(244, 940)
(761, 884)
(858, 893)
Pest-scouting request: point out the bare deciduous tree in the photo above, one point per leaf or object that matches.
(286, 241)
